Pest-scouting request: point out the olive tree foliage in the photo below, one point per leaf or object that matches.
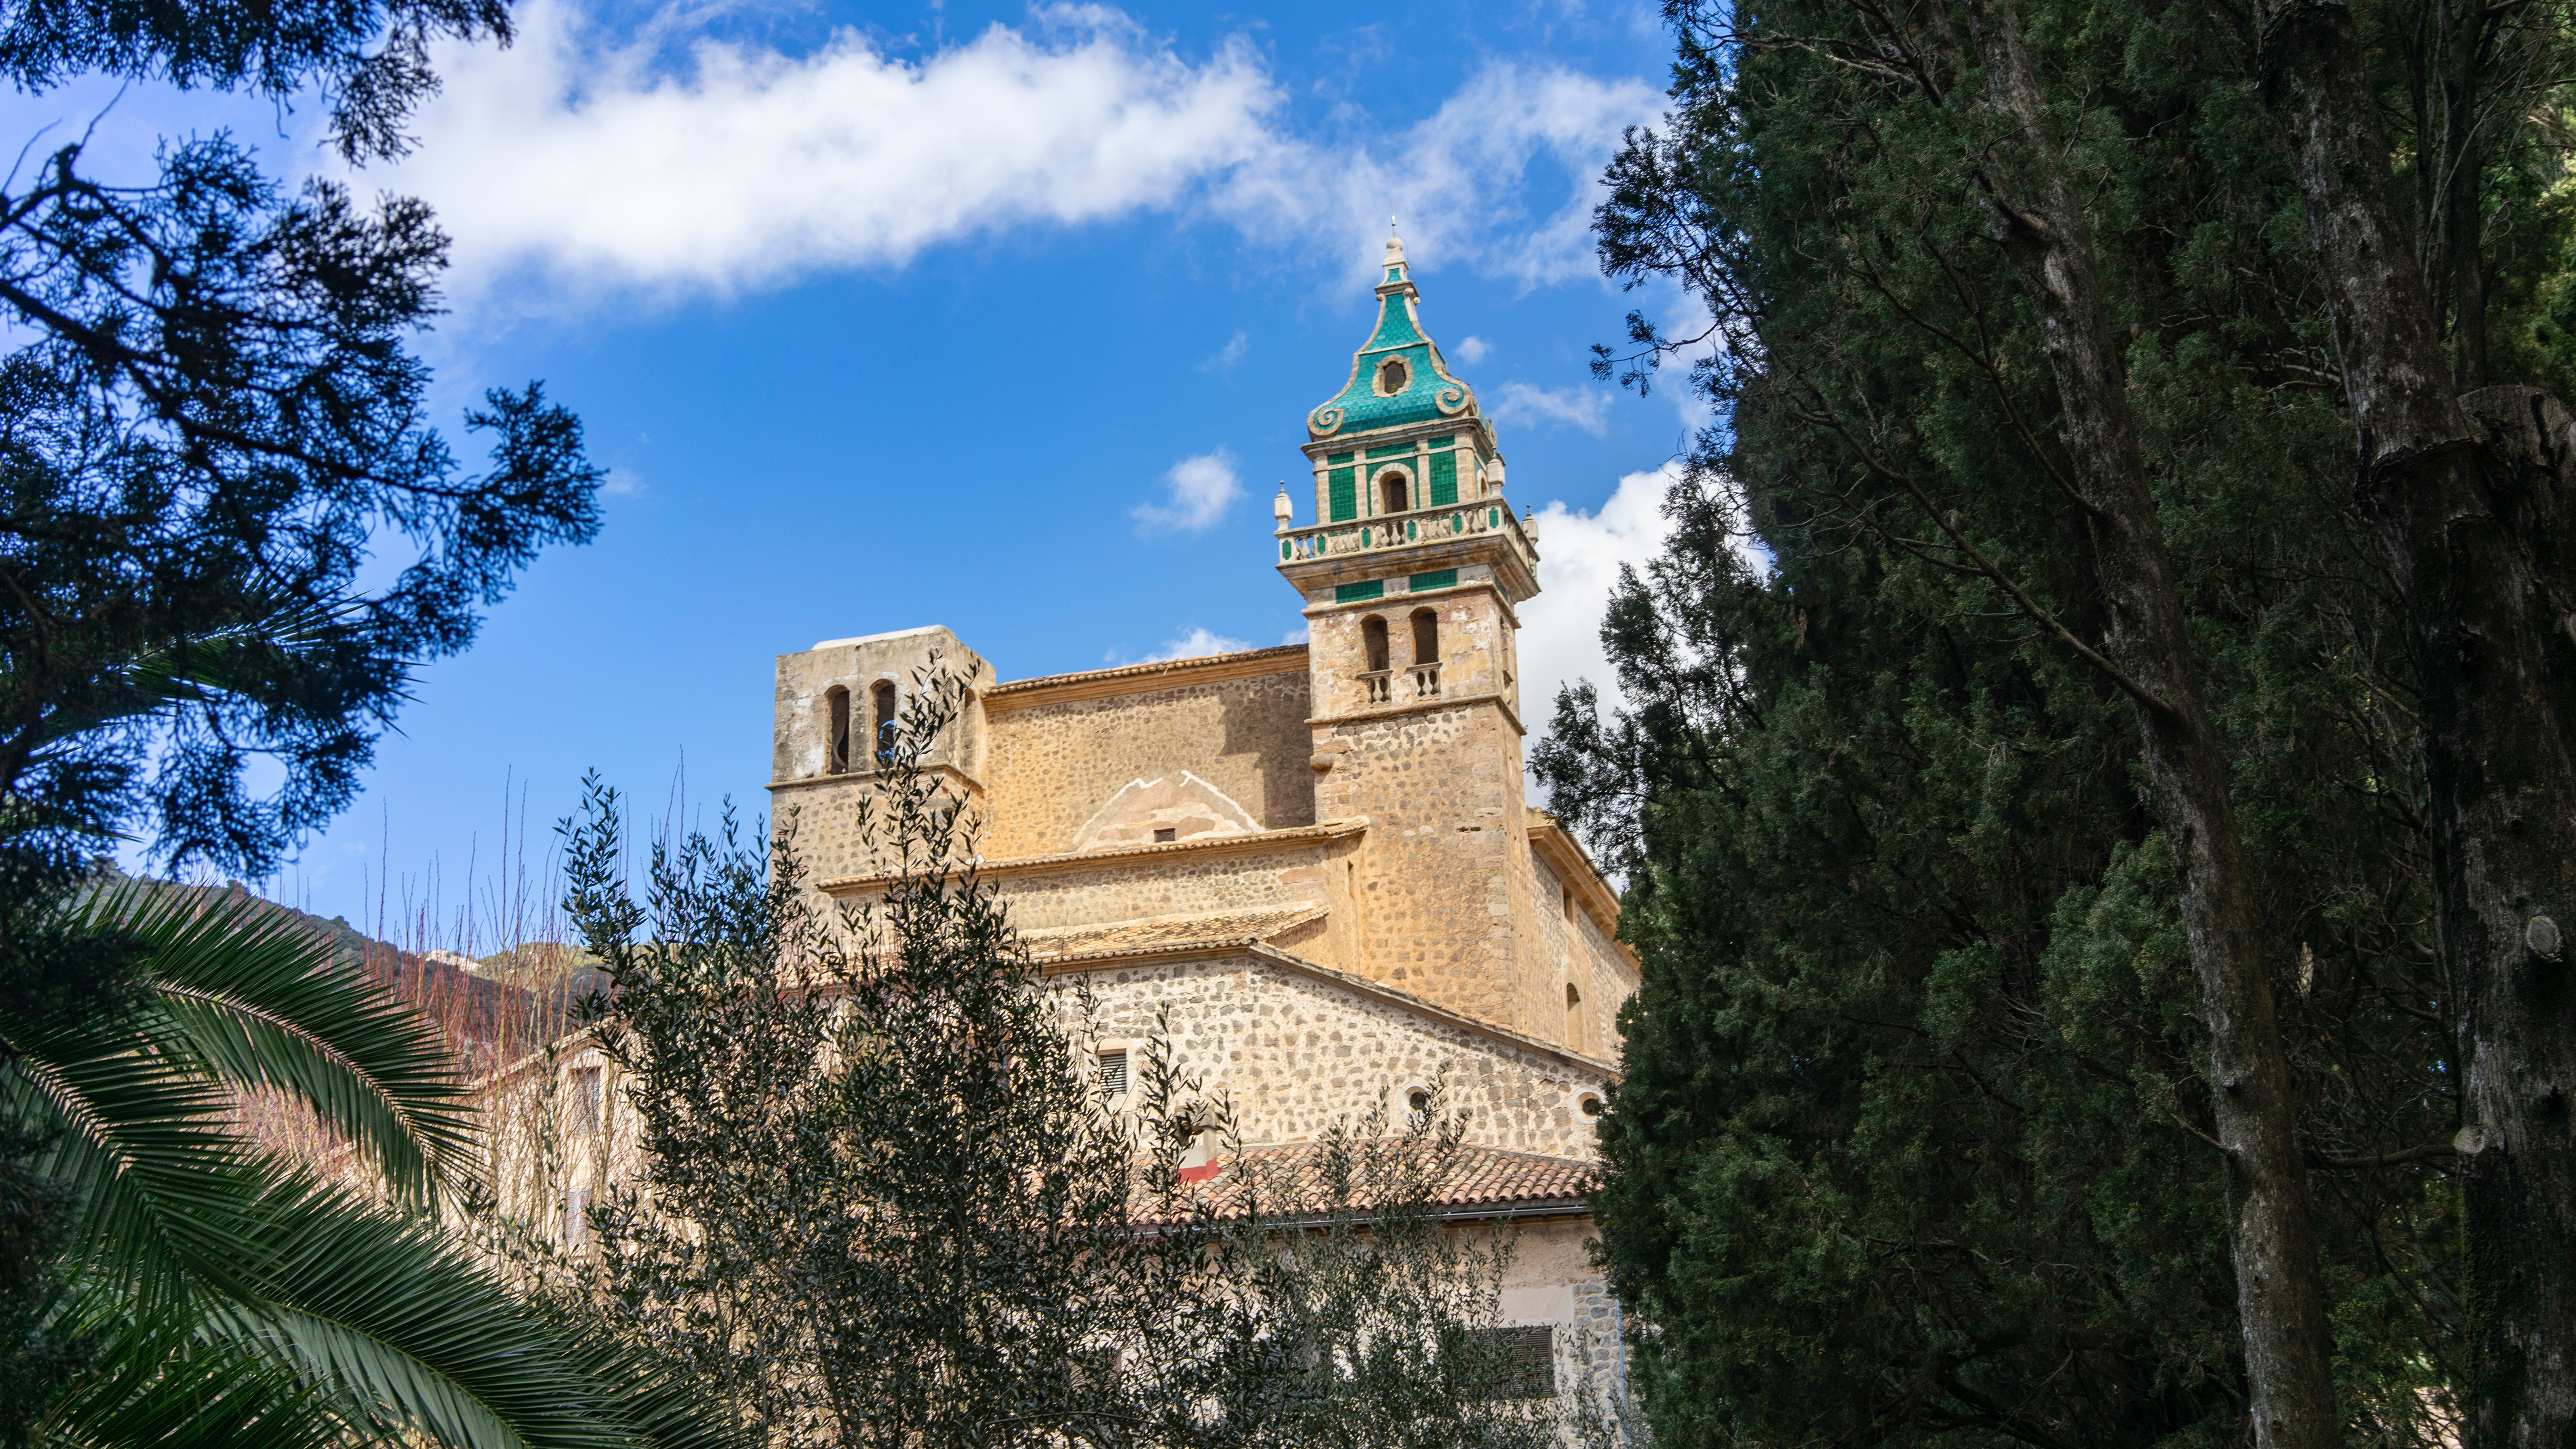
(883, 1200)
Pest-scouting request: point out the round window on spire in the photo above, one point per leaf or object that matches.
(1392, 377)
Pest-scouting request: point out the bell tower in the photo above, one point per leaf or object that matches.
(1411, 574)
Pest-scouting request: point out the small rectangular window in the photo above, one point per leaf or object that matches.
(584, 1107)
(1113, 1073)
(1511, 1363)
(1165, 837)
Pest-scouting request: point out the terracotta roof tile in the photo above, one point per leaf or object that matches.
(1292, 1177)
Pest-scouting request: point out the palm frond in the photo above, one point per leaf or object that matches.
(418, 1336)
(158, 1380)
(264, 1003)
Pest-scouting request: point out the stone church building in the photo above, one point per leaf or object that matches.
(1317, 857)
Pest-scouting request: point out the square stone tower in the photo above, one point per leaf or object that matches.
(832, 706)
(1410, 578)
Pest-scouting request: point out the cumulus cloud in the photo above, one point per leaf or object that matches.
(1582, 407)
(1580, 555)
(593, 162)
(1189, 644)
(1472, 350)
(1579, 559)
(1198, 489)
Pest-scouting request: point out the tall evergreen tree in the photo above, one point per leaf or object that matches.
(1926, 1131)
(210, 425)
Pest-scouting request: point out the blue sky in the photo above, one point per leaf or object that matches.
(998, 317)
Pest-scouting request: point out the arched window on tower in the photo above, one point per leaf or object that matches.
(1391, 493)
(836, 749)
(882, 702)
(1373, 650)
(1426, 654)
(1575, 1036)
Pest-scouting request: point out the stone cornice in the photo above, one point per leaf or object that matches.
(1423, 706)
(863, 777)
(1137, 678)
(1206, 846)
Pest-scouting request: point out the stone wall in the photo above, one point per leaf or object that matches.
(1295, 1055)
(1445, 856)
(1475, 643)
(1584, 956)
(824, 802)
(1057, 754)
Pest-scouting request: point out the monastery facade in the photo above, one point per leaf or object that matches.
(1316, 858)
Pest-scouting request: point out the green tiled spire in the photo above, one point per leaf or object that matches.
(1418, 389)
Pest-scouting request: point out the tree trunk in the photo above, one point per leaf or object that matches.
(2040, 221)
(2471, 510)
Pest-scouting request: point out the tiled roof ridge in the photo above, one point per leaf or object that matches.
(1227, 929)
(1140, 671)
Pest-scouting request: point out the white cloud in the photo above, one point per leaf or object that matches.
(591, 163)
(1298, 635)
(1200, 487)
(1472, 350)
(1583, 407)
(1580, 555)
(622, 483)
(1190, 644)
(1230, 354)
(1579, 559)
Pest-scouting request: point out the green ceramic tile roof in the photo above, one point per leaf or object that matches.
(1429, 392)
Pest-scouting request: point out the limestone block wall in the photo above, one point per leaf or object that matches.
(1444, 869)
(1164, 883)
(1296, 1054)
(1580, 954)
(1476, 644)
(551, 1157)
(825, 803)
(1550, 1279)
(1059, 749)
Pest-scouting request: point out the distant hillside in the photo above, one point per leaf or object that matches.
(493, 1010)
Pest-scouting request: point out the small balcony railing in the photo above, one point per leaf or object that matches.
(1381, 685)
(1426, 681)
(1404, 530)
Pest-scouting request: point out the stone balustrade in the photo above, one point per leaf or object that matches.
(1407, 530)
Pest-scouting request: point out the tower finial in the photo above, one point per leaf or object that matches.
(1394, 245)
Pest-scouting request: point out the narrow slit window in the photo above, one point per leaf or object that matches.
(585, 1101)
(837, 760)
(576, 1224)
(1574, 1033)
(883, 706)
